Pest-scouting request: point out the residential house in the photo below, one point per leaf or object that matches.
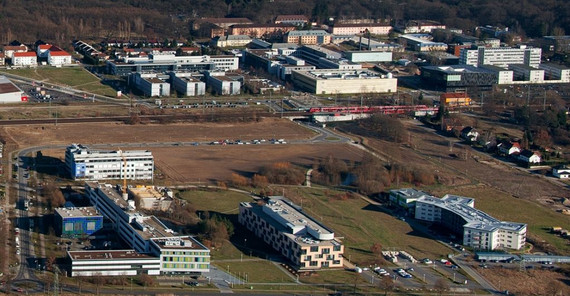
(2, 59)
(509, 148)
(561, 171)
(469, 134)
(529, 157)
(26, 59)
(58, 58)
(10, 50)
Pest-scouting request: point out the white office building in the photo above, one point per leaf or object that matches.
(527, 73)
(307, 243)
(501, 56)
(86, 164)
(328, 81)
(222, 84)
(151, 84)
(556, 72)
(187, 85)
(112, 263)
(479, 230)
(147, 234)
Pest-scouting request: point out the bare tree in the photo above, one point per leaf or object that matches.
(441, 285)
(387, 284)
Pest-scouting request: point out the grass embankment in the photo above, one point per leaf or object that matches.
(75, 77)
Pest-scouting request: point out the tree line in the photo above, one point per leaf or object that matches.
(64, 20)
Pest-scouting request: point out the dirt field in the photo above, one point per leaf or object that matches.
(530, 282)
(90, 133)
(192, 164)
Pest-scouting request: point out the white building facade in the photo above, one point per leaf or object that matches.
(187, 85)
(58, 58)
(112, 263)
(328, 81)
(479, 230)
(501, 56)
(25, 59)
(86, 164)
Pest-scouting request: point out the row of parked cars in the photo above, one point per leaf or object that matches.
(254, 141)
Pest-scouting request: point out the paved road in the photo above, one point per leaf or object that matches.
(27, 248)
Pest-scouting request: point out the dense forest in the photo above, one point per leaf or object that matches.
(64, 20)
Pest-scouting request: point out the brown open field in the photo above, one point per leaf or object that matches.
(62, 134)
(203, 163)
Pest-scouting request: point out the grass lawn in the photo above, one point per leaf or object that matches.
(362, 225)
(260, 271)
(505, 207)
(222, 201)
(75, 77)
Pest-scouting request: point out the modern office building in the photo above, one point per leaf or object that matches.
(186, 84)
(86, 164)
(501, 56)
(555, 72)
(343, 81)
(421, 42)
(111, 263)
(77, 222)
(455, 78)
(405, 198)
(526, 73)
(163, 63)
(147, 234)
(224, 84)
(150, 84)
(478, 230)
(307, 243)
(368, 56)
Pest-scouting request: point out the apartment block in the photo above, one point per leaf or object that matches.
(307, 243)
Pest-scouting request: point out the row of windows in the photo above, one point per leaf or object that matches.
(186, 259)
(185, 266)
(193, 253)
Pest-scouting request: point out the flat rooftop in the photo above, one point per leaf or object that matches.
(151, 226)
(179, 242)
(78, 212)
(116, 255)
(110, 192)
(145, 192)
(342, 74)
(474, 218)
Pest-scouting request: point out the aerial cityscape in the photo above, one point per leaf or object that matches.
(285, 147)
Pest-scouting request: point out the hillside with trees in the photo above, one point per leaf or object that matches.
(64, 20)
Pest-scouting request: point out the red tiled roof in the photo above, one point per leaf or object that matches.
(44, 46)
(21, 47)
(58, 53)
(291, 18)
(24, 54)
